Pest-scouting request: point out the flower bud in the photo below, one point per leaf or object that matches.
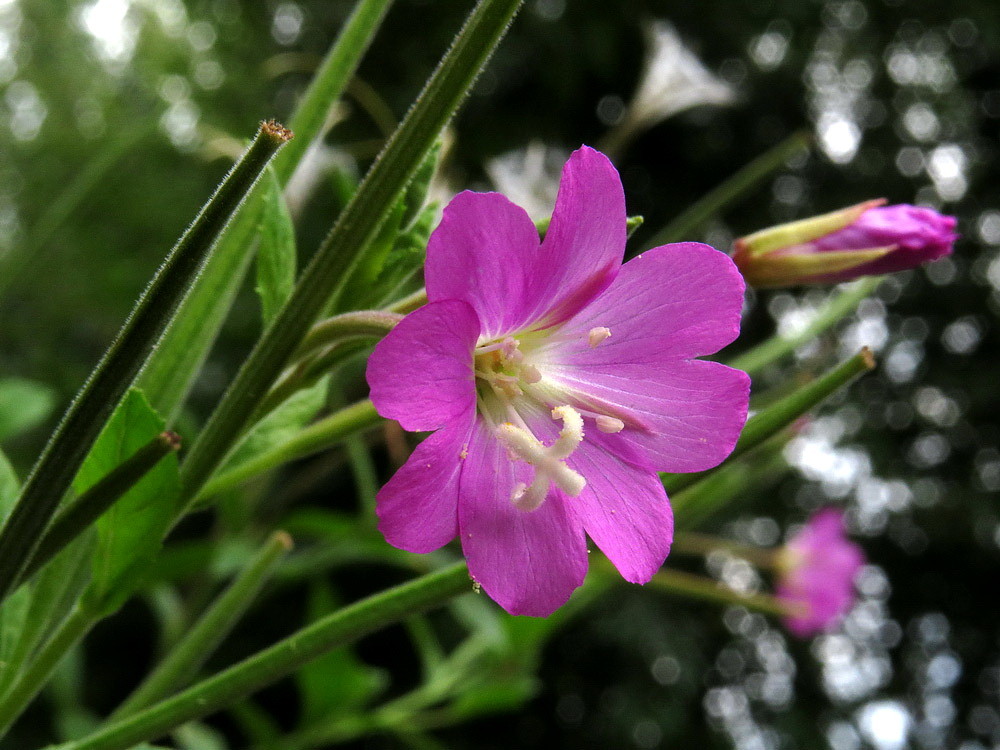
(863, 240)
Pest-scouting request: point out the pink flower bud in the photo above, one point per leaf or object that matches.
(864, 240)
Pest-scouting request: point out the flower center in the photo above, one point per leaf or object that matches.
(502, 366)
(549, 462)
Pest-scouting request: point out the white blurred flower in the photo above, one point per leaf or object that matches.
(674, 79)
(529, 177)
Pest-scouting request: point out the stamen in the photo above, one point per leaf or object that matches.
(597, 335)
(548, 461)
(609, 425)
(530, 374)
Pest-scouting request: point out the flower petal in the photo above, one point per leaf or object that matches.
(483, 252)
(418, 508)
(528, 562)
(681, 416)
(421, 373)
(676, 301)
(585, 241)
(623, 508)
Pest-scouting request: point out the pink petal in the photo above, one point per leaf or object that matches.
(624, 509)
(421, 373)
(585, 241)
(682, 416)
(676, 301)
(483, 252)
(418, 508)
(528, 562)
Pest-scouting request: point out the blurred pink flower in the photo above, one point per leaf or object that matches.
(817, 571)
(558, 382)
(863, 240)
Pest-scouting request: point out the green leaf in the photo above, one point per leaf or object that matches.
(23, 404)
(276, 256)
(338, 682)
(173, 367)
(129, 533)
(10, 486)
(280, 425)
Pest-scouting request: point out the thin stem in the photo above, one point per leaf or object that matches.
(409, 303)
(281, 659)
(332, 77)
(22, 692)
(78, 516)
(734, 187)
(73, 438)
(307, 372)
(782, 413)
(190, 653)
(371, 323)
(836, 309)
(323, 434)
(707, 589)
(357, 226)
(703, 545)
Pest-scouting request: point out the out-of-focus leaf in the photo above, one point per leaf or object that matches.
(65, 691)
(129, 533)
(23, 404)
(337, 682)
(198, 736)
(281, 424)
(276, 258)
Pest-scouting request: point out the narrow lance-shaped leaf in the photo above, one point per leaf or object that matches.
(276, 258)
(129, 533)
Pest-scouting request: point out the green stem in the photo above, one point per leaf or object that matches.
(357, 226)
(369, 323)
(185, 347)
(699, 587)
(323, 434)
(305, 373)
(78, 516)
(189, 654)
(409, 303)
(782, 413)
(692, 543)
(836, 309)
(69, 444)
(681, 227)
(312, 114)
(22, 692)
(335, 630)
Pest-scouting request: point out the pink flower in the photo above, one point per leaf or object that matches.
(558, 382)
(863, 240)
(818, 566)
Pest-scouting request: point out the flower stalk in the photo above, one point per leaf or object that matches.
(187, 656)
(93, 405)
(779, 415)
(337, 629)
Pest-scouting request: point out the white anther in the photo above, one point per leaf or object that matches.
(509, 346)
(597, 335)
(571, 434)
(530, 374)
(608, 424)
(547, 461)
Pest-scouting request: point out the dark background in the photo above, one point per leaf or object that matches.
(912, 452)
